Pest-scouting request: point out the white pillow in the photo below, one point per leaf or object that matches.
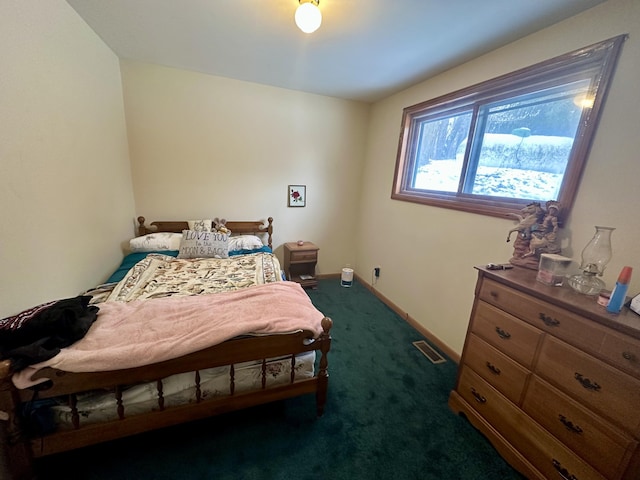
(199, 244)
(156, 242)
(244, 242)
(200, 225)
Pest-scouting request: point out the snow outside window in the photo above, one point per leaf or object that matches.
(494, 147)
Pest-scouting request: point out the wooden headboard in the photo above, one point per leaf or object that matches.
(237, 228)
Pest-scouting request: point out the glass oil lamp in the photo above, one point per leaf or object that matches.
(595, 256)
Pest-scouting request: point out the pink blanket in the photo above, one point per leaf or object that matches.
(142, 332)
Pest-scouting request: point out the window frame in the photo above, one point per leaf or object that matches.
(599, 58)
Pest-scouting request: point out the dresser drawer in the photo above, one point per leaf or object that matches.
(621, 351)
(505, 332)
(540, 448)
(508, 377)
(546, 316)
(601, 444)
(607, 390)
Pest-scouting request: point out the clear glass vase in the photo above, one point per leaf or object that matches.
(595, 257)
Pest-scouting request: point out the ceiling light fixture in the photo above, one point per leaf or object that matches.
(308, 16)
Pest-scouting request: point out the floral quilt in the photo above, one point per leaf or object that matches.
(161, 276)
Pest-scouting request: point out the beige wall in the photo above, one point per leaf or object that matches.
(204, 146)
(65, 182)
(427, 253)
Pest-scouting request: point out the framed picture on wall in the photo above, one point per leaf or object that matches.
(297, 196)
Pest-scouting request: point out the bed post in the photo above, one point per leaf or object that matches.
(15, 455)
(270, 231)
(142, 230)
(323, 373)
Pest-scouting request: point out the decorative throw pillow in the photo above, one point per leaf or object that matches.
(156, 242)
(200, 225)
(199, 244)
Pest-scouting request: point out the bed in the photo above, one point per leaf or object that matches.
(269, 343)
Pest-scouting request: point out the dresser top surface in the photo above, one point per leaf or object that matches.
(524, 279)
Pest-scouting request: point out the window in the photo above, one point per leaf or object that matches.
(495, 147)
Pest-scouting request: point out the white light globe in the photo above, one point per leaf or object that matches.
(308, 17)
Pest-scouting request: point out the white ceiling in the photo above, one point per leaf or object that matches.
(365, 49)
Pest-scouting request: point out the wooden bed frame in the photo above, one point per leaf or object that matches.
(21, 448)
(237, 228)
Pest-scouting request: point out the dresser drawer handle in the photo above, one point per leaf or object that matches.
(479, 398)
(629, 356)
(564, 473)
(569, 424)
(548, 321)
(502, 334)
(586, 383)
(493, 368)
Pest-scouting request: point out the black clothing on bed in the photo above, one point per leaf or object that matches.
(39, 333)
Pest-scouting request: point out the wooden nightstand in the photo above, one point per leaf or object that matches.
(300, 263)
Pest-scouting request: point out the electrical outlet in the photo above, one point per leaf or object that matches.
(376, 271)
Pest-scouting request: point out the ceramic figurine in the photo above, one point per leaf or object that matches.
(537, 233)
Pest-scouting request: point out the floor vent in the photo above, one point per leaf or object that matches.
(429, 352)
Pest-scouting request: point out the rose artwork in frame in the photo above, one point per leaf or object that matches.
(297, 196)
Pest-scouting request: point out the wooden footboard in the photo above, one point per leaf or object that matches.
(20, 449)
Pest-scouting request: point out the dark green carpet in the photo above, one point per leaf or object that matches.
(386, 418)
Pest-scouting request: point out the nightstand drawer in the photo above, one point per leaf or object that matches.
(608, 391)
(504, 374)
(508, 334)
(303, 256)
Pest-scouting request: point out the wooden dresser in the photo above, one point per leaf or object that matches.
(551, 379)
